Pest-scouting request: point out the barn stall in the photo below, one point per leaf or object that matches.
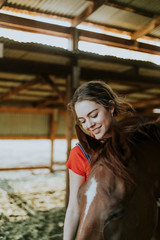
(48, 49)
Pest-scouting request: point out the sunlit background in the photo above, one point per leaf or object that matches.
(101, 49)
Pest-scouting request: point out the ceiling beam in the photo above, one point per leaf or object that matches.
(137, 80)
(72, 55)
(19, 89)
(6, 109)
(146, 29)
(79, 55)
(146, 103)
(104, 27)
(24, 24)
(46, 101)
(32, 67)
(51, 83)
(39, 68)
(18, 23)
(87, 12)
(117, 42)
(2, 2)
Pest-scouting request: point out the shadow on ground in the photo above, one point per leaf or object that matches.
(33, 208)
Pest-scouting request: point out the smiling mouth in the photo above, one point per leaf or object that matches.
(96, 130)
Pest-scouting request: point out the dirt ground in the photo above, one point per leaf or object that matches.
(32, 205)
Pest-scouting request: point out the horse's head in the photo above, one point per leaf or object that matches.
(101, 202)
(115, 203)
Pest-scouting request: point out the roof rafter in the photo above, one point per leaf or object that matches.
(88, 11)
(24, 24)
(35, 110)
(19, 89)
(18, 23)
(2, 2)
(104, 27)
(146, 103)
(38, 68)
(51, 83)
(47, 101)
(117, 42)
(146, 29)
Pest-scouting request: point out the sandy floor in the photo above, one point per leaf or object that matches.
(31, 205)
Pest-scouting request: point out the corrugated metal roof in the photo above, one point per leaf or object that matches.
(128, 76)
(69, 8)
(105, 15)
(146, 5)
(117, 18)
(155, 32)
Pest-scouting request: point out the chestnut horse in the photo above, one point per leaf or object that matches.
(119, 199)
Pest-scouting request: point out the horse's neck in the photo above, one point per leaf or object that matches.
(147, 156)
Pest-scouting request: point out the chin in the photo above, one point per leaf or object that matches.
(99, 136)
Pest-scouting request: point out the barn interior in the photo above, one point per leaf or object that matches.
(49, 48)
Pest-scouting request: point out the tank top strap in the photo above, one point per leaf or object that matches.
(85, 154)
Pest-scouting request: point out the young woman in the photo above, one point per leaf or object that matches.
(94, 106)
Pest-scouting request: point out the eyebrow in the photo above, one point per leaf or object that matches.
(89, 113)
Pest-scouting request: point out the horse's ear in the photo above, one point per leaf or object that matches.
(89, 143)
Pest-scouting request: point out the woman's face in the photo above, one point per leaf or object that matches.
(94, 118)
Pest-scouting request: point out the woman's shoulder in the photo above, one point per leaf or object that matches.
(77, 161)
(77, 150)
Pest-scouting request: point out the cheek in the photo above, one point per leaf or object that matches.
(84, 126)
(106, 119)
(107, 123)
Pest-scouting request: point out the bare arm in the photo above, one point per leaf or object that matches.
(72, 214)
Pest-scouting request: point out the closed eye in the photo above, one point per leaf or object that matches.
(82, 122)
(117, 214)
(94, 116)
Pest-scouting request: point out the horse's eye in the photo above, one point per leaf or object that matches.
(118, 213)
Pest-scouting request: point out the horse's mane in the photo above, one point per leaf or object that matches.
(116, 151)
(140, 129)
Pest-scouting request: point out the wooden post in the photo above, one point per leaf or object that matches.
(53, 128)
(72, 84)
(69, 133)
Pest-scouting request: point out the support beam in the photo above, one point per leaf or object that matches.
(53, 129)
(146, 29)
(46, 101)
(19, 89)
(104, 27)
(88, 11)
(2, 2)
(69, 133)
(24, 168)
(32, 67)
(75, 68)
(7, 109)
(24, 24)
(50, 82)
(24, 67)
(147, 103)
(18, 23)
(117, 42)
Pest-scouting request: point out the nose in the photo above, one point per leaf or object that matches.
(89, 124)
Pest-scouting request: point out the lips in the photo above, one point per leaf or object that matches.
(96, 130)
